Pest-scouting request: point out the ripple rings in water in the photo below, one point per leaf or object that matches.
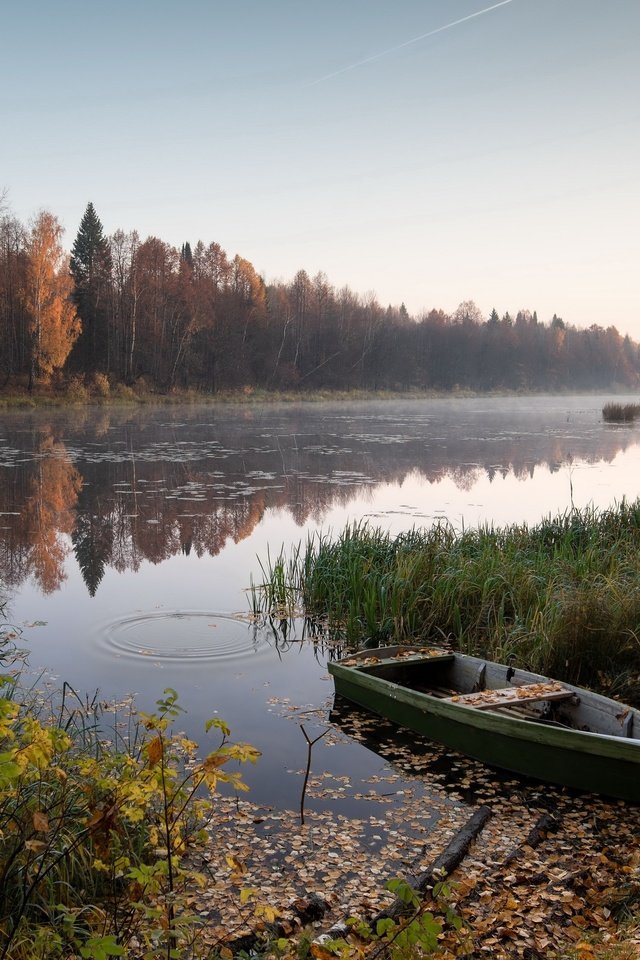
(181, 635)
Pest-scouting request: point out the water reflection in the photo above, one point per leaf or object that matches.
(118, 487)
(127, 537)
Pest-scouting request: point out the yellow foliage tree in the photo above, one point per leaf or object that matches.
(53, 323)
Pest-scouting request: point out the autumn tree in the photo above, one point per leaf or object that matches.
(53, 322)
(91, 270)
(155, 265)
(246, 307)
(206, 349)
(124, 298)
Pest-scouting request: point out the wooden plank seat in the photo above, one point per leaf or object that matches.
(511, 696)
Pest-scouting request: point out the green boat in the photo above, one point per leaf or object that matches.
(502, 716)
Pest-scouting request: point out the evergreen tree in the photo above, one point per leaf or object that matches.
(92, 540)
(185, 253)
(91, 271)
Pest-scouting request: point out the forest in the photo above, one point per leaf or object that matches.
(121, 310)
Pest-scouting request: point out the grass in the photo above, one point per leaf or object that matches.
(561, 598)
(620, 412)
(97, 389)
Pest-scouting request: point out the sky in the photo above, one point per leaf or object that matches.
(429, 151)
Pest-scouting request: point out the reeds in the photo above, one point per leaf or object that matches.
(561, 598)
(620, 412)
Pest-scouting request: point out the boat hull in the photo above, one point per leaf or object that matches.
(596, 763)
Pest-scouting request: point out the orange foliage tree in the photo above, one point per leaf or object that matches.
(53, 323)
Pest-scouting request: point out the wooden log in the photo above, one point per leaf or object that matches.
(452, 856)
(545, 824)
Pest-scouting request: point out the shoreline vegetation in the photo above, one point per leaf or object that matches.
(78, 393)
(99, 391)
(559, 598)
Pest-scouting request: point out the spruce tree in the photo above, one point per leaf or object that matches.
(91, 271)
(185, 253)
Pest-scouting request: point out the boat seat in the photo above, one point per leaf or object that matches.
(511, 696)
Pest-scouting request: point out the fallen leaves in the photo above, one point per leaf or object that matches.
(526, 889)
(504, 696)
(405, 653)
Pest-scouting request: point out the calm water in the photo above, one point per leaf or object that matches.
(128, 537)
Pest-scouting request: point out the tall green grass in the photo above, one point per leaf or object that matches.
(561, 598)
(620, 412)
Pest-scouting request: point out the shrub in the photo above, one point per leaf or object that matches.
(123, 391)
(95, 832)
(76, 390)
(100, 386)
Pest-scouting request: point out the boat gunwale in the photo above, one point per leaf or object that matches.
(586, 741)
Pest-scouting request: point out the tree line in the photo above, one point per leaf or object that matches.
(123, 310)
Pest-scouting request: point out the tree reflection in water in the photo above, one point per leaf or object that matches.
(119, 487)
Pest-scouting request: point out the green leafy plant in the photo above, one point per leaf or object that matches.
(96, 834)
(415, 931)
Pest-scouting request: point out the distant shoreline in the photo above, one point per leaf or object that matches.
(122, 395)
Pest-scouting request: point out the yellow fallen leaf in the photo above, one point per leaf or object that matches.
(320, 953)
(585, 949)
(40, 822)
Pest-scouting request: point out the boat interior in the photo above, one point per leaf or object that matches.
(483, 685)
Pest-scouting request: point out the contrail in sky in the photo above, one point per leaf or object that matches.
(408, 43)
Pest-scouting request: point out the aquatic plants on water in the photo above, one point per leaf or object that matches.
(620, 412)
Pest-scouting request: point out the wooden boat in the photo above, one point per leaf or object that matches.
(505, 717)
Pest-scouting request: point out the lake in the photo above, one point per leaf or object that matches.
(128, 537)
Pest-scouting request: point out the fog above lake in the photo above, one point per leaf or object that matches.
(118, 487)
(128, 536)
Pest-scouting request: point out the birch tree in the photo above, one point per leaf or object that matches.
(53, 323)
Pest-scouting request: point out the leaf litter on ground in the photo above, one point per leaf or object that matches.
(565, 896)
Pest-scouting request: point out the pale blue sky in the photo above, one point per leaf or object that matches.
(497, 160)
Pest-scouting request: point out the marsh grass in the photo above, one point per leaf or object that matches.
(561, 598)
(620, 412)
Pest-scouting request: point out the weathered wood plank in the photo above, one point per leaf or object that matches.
(508, 696)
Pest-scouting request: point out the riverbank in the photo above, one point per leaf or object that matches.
(98, 391)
